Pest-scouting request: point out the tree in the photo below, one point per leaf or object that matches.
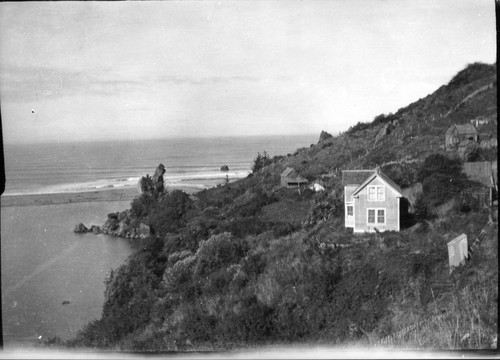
(261, 161)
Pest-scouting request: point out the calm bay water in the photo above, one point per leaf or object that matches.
(45, 264)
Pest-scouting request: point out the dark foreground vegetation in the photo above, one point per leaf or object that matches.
(251, 263)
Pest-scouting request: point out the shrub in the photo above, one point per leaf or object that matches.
(179, 275)
(358, 127)
(383, 119)
(142, 205)
(218, 252)
(439, 188)
(241, 227)
(403, 174)
(169, 214)
(439, 164)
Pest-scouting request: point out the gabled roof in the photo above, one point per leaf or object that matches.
(292, 175)
(462, 129)
(386, 179)
(287, 171)
(355, 177)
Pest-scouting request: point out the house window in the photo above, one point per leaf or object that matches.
(371, 216)
(376, 193)
(350, 210)
(376, 216)
(381, 216)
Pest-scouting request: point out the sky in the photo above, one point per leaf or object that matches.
(82, 71)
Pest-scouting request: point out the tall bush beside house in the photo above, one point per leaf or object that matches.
(442, 180)
(440, 164)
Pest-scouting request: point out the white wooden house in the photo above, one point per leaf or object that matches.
(372, 201)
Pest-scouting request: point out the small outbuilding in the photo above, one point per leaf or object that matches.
(486, 174)
(316, 187)
(291, 178)
(459, 133)
(457, 251)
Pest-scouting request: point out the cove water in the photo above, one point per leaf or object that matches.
(52, 278)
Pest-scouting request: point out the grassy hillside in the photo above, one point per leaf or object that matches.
(250, 263)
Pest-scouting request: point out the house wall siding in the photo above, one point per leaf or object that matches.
(348, 190)
(450, 137)
(390, 204)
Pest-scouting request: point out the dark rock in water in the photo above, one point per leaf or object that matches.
(114, 215)
(95, 229)
(224, 168)
(66, 302)
(80, 228)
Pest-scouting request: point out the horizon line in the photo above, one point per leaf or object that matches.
(69, 141)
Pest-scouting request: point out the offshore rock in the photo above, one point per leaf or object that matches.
(80, 228)
(224, 168)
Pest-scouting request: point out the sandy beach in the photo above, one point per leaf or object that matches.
(105, 195)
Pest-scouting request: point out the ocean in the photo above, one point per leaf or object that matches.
(52, 278)
(90, 166)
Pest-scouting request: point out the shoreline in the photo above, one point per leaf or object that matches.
(102, 195)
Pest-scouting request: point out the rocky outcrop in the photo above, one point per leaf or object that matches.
(153, 185)
(158, 178)
(117, 224)
(124, 223)
(224, 168)
(385, 130)
(80, 229)
(324, 136)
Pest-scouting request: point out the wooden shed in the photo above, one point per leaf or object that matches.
(458, 133)
(485, 173)
(291, 178)
(457, 251)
